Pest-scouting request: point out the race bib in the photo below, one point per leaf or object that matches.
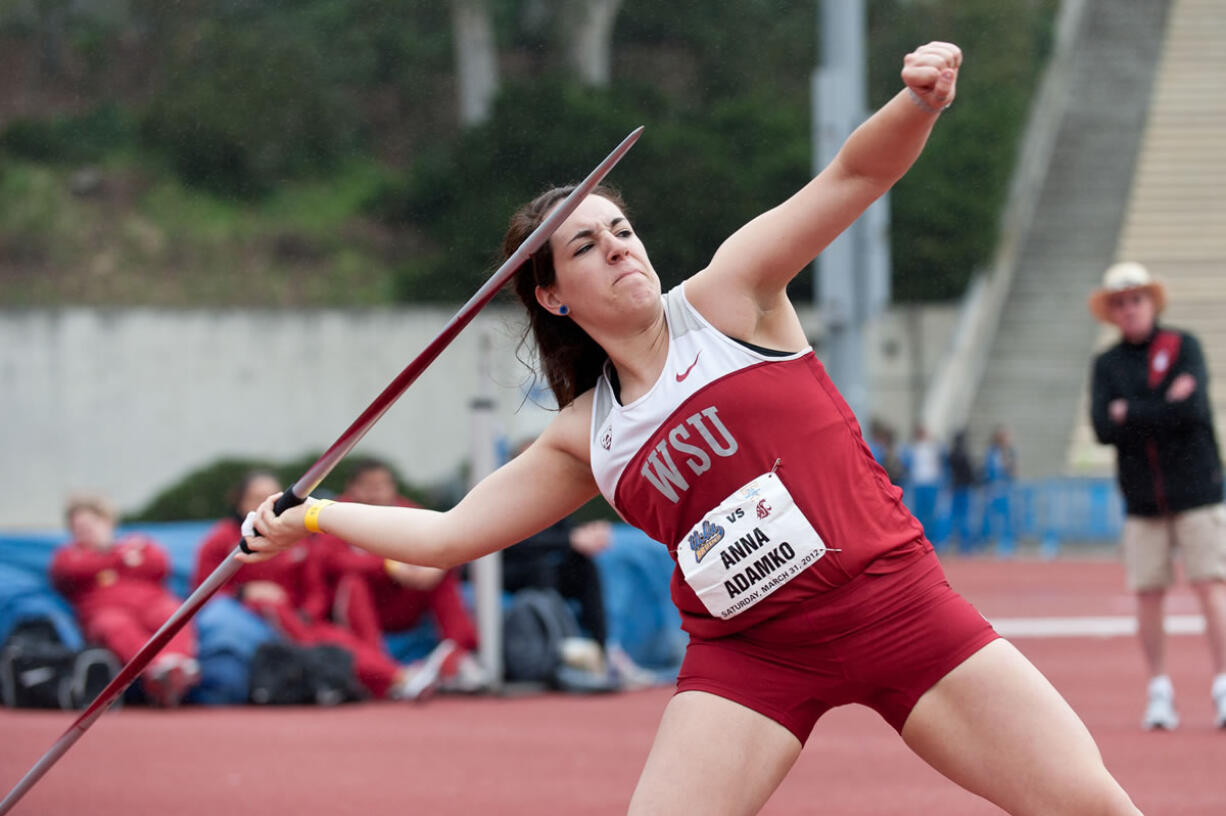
(752, 543)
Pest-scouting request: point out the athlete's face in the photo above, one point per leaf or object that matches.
(95, 530)
(258, 489)
(374, 486)
(1133, 312)
(601, 265)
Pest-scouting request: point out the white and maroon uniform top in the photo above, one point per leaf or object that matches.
(723, 414)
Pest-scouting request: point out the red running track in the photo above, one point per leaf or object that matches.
(581, 755)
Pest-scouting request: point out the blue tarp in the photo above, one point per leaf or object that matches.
(635, 571)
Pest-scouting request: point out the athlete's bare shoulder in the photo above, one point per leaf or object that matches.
(570, 430)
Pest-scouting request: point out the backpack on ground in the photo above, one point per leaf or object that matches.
(297, 674)
(39, 670)
(538, 634)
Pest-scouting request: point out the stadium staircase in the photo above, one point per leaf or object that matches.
(1035, 372)
(1175, 221)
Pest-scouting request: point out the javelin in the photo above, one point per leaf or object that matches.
(320, 470)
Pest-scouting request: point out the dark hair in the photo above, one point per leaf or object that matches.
(570, 360)
(236, 493)
(366, 464)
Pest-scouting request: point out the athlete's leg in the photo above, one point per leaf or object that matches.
(1212, 596)
(579, 578)
(744, 757)
(354, 609)
(118, 629)
(1201, 534)
(454, 622)
(998, 728)
(1147, 545)
(1150, 631)
(156, 613)
(1213, 602)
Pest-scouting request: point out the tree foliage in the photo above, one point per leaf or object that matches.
(945, 212)
(246, 108)
(735, 139)
(206, 493)
(242, 96)
(678, 175)
(84, 138)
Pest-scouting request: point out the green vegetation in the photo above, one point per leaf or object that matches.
(129, 237)
(945, 211)
(305, 152)
(62, 139)
(678, 175)
(205, 493)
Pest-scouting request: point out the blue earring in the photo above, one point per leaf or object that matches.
(563, 310)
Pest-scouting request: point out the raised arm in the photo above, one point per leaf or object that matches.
(759, 260)
(546, 482)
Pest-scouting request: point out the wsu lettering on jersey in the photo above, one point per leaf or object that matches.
(694, 438)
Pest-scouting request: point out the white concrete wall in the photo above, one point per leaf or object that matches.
(906, 347)
(128, 401)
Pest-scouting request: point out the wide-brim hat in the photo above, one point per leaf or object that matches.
(1125, 276)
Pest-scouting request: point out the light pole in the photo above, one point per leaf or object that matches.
(852, 276)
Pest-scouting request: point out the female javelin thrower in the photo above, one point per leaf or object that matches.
(703, 416)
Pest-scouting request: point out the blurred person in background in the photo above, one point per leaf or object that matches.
(882, 442)
(999, 473)
(370, 595)
(282, 592)
(117, 588)
(962, 482)
(1150, 400)
(923, 463)
(562, 557)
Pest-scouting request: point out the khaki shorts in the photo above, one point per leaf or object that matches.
(1149, 546)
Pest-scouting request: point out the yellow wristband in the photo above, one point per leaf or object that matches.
(389, 566)
(311, 519)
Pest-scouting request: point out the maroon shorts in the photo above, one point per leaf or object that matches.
(881, 640)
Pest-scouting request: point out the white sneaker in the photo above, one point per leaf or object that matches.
(1160, 710)
(422, 676)
(1219, 700)
(630, 675)
(470, 677)
(170, 678)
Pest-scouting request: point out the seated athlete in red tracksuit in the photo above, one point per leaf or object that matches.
(117, 589)
(283, 593)
(370, 595)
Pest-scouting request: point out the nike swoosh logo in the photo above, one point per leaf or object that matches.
(681, 377)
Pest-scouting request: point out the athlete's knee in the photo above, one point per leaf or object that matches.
(1099, 797)
(1210, 589)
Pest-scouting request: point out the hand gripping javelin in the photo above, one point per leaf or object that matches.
(319, 471)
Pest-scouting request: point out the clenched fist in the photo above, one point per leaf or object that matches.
(931, 74)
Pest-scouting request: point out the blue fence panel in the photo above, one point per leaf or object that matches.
(1057, 511)
(1051, 512)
